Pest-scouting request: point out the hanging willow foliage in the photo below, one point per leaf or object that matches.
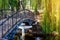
(33, 3)
(4, 4)
(51, 18)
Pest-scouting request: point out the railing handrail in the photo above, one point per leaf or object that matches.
(7, 19)
(11, 16)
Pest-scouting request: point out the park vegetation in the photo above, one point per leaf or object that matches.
(51, 13)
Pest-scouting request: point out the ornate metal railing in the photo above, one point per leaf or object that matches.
(9, 22)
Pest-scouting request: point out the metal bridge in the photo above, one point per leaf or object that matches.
(9, 25)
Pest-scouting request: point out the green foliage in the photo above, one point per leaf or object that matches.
(4, 4)
(33, 3)
(0, 3)
(51, 18)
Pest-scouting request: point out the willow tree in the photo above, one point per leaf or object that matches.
(4, 4)
(0, 4)
(56, 11)
(33, 3)
(14, 4)
(51, 17)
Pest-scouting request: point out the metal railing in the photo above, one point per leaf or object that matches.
(7, 23)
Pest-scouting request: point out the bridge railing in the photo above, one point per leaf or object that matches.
(7, 23)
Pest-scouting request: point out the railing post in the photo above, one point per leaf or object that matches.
(8, 22)
(2, 21)
(12, 19)
(16, 17)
